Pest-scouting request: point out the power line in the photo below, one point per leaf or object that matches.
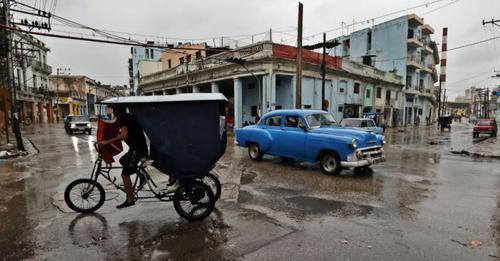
(374, 18)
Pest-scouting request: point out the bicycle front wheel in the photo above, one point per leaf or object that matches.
(84, 195)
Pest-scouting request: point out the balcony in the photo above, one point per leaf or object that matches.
(415, 20)
(426, 48)
(428, 68)
(414, 62)
(415, 42)
(427, 29)
(41, 67)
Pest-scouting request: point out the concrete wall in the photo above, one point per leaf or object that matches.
(146, 67)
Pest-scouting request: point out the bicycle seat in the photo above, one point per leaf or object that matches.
(145, 160)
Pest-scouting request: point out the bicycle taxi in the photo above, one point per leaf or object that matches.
(187, 134)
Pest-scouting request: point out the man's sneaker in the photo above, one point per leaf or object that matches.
(126, 204)
(172, 188)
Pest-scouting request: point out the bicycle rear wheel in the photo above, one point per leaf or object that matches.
(194, 201)
(213, 182)
(84, 195)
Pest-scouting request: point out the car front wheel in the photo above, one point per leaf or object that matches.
(254, 152)
(330, 163)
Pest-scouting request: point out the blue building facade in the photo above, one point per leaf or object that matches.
(139, 54)
(404, 46)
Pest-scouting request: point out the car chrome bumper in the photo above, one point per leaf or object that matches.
(361, 163)
(365, 157)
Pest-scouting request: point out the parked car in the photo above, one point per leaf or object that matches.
(487, 126)
(362, 124)
(311, 135)
(74, 123)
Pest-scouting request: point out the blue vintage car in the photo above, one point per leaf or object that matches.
(311, 135)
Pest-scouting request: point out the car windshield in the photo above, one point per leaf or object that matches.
(484, 123)
(79, 118)
(320, 120)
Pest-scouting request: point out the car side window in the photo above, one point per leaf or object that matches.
(292, 121)
(273, 121)
(370, 123)
(364, 124)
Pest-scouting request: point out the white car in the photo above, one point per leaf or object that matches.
(365, 124)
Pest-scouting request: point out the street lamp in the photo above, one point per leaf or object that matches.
(242, 62)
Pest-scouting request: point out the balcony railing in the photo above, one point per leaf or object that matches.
(41, 67)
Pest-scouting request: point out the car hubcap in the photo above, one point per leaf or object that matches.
(254, 151)
(329, 163)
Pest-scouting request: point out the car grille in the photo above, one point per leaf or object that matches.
(81, 125)
(373, 152)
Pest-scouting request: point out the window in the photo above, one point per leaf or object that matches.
(198, 55)
(254, 111)
(273, 121)
(147, 53)
(169, 63)
(152, 54)
(131, 50)
(370, 123)
(34, 81)
(368, 93)
(181, 60)
(341, 89)
(379, 92)
(341, 109)
(369, 41)
(356, 87)
(408, 81)
(388, 95)
(292, 121)
(188, 58)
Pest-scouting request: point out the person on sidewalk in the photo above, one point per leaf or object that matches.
(130, 132)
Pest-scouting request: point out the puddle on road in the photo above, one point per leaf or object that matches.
(244, 196)
(247, 178)
(312, 205)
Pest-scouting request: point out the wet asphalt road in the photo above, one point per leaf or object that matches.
(436, 193)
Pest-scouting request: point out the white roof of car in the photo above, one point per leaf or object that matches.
(166, 98)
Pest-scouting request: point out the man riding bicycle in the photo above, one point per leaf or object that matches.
(132, 134)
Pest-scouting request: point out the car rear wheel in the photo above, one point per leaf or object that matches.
(330, 163)
(254, 152)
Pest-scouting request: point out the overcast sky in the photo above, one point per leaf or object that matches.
(472, 66)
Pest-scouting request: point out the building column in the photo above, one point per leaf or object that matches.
(294, 90)
(178, 90)
(269, 93)
(238, 103)
(165, 92)
(196, 88)
(40, 112)
(33, 113)
(215, 87)
(50, 113)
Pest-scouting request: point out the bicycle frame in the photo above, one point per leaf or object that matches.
(104, 171)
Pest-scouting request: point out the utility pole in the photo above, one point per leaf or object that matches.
(493, 22)
(10, 79)
(324, 105)
(298, 81)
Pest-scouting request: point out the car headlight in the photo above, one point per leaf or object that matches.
(383, 140)
(73, 125)
(88, 125)
(354, 143)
